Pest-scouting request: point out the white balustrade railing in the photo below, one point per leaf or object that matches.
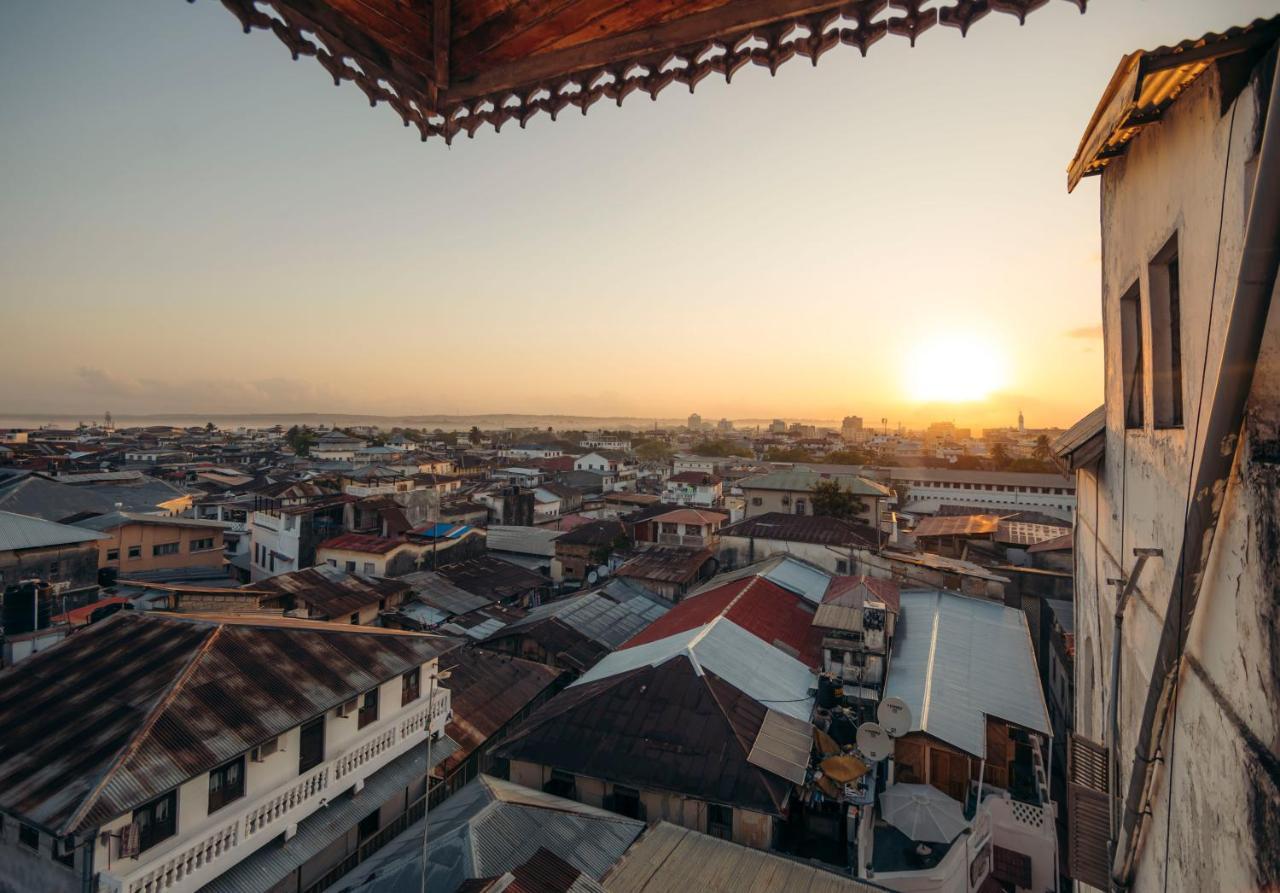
(187, 865)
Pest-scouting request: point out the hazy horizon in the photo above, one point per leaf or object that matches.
(195, 224)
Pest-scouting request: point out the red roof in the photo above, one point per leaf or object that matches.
(844, 591)
(81, 615)
(699, 478)
(691, 516)
(762, 608)
(559, 463)
(362, 542)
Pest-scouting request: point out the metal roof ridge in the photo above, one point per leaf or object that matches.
(135, 740)
(927, 695)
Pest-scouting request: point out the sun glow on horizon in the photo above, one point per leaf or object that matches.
(954, 368)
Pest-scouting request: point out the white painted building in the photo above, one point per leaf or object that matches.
(1192, 408)
(274, 781)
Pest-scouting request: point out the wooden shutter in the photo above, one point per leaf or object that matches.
(1088, 813)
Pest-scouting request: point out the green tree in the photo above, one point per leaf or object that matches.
(830, 500)
(300, 440)
(1043, 450)
(721, 448)
(475, 436)
(791, 454)
(653, 451)
(999, 456)
(210, 427)
(849, 456)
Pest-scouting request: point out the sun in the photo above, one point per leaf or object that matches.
(953, 368)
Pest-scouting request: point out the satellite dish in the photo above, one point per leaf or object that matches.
(873, 742)
(894, 717)
(603, 571)
(592, 577)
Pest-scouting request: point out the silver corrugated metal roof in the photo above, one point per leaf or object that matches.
(25, 532)
(488, 828)
(440, 592)
(609, 615)
(523, 540)
(805, 580)
(745, 661)
(957, 660)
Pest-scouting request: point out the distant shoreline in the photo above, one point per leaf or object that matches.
(429, 422)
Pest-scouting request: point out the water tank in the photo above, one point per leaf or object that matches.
(24, 608)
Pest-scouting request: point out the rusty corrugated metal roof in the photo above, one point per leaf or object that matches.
(328, 590)
(1146, 82)
(133, 706)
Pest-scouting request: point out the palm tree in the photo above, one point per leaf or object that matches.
(1042, 449)
(474, 435)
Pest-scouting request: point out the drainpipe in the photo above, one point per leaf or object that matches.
(1242, 343)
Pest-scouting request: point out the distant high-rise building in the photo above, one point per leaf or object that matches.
(695, 422)
(851, 428)
(778, 426)
(725, 425)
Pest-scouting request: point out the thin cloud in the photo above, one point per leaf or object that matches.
(1088, 332)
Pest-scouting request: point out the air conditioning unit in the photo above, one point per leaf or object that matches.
(264, 750)
(349, 707)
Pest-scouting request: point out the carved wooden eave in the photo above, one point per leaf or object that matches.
(452, 66)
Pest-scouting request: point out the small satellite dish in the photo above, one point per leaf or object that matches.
(603, 571)
(873, 742)
(894, 717)
(592, 578)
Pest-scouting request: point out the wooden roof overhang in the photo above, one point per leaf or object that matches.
(451, 66)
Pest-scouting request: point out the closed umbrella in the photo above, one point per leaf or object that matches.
(922, 812)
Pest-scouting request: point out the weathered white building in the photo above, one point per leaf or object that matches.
(182, 754)
(1177, 675)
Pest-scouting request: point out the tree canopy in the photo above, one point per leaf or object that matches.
(830, 500)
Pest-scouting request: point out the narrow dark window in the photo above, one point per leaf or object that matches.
(1133, 395)
(410, 686)
(1166, 337)
(226, 784)
(368, 709)
(311, 745)
(720, 821)
(157, 821)
(29, 837)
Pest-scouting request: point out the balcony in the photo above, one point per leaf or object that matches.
(676, 539)
(190, 861)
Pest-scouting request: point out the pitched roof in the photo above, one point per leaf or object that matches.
(330, 591)
(670, 857)
(113, 520)
(793, 574)
(690, 516)
(802, 529)
(25, 532)
(595, 533)
(361, 542)
(488, 690)
(764, 609)
(581, 629)
(136, 704)
(957, 660)
(1064, 543)
(957, 525)
(492, 577)
(666, 564)
(673, 726)
(488, 828)
(856, 591)
(741, 658)
(1146, 82)
(697, 478)
(438, 592)
(1084, 442)
(805, 479)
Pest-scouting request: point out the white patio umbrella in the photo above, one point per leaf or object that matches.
(922, 812)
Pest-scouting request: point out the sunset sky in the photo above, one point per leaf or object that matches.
(191, 221)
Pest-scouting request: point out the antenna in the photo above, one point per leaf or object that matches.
(894, 717)
(873, 742)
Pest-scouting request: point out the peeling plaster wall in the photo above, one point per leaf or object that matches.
(1221, 777)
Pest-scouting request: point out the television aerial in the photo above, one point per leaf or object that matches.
(894, 716)
(873, 742)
